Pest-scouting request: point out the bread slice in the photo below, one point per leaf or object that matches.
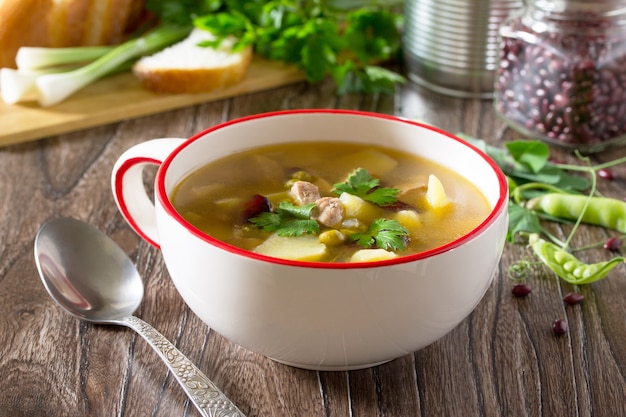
(186, 67)
(60, 23)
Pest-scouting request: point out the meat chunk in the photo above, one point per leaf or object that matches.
(329, 211)
(412, 189)
(304, 192)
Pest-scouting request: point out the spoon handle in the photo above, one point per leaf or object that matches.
(207, 398)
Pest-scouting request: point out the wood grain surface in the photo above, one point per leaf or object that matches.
(502, 361)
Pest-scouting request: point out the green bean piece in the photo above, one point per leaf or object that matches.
(567, 266)
(601, 211)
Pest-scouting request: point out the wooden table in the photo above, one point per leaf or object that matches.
(503, 360)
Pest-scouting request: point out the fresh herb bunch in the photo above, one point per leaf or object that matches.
(542, 191)
(345, 40)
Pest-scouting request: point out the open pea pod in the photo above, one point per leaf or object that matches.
(567, 266)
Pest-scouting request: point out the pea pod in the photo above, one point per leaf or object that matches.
(567, 266)
(601, 211)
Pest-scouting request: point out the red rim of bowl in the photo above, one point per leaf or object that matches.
(169, 208)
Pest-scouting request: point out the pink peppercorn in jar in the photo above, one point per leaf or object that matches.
(562, 72)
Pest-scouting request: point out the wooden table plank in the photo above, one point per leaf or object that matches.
(501, 361)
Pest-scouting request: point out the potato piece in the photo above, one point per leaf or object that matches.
(371, 255)
(374, 161)
(227, 208)
(229, 204)
(276, 198)
(409, 219)
(436, 194)
(357, 208)
(299, 248)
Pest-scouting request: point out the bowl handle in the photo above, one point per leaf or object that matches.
(127, 185)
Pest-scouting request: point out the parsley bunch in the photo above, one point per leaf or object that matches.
(338, 38)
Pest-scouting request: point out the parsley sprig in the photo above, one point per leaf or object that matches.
(383, 233)
(361, 183)
(288, 220)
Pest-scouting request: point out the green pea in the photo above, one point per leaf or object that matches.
(567, 266)
(601, 211)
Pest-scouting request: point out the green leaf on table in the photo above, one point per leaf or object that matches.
(532, 154)
(529, 163)
(522, 219)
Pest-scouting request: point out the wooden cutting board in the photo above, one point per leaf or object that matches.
(122, 97)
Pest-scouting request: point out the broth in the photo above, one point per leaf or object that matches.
(216, 197)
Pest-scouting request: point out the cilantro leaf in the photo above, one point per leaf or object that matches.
(299, 212)
(370, 33)
(288, 220)
(383, 233)
(361, 183)
(299, 227)
(270, 222)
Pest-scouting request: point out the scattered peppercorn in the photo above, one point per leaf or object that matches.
(613, 244)
(559, 327)
(521, 290)
(573, 298)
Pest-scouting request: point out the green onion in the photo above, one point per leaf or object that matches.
(36, 58)
(54, 88)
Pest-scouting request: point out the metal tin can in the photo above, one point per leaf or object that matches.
(451, 46)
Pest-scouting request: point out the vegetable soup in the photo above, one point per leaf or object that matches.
(330, 202)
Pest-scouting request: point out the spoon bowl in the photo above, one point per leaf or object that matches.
(86, 273)
(93, 279)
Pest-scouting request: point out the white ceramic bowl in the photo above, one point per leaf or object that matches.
(320, 316)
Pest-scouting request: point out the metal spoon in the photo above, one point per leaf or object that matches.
(91, 278)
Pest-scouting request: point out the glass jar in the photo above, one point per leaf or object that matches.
(562, 72)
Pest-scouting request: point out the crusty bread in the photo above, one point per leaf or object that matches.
(188, 68)
(60, 23)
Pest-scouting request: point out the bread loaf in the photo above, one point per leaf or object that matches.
(60, 23)
(188, 68)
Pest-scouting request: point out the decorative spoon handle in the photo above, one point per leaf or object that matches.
(207, 398)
